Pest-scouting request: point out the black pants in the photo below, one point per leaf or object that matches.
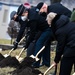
(66, 65)
(74, 67)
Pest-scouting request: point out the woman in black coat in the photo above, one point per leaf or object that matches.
(64, 32)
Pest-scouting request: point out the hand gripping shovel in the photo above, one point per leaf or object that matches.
(49, 69)
(6, 55)
(36, 57)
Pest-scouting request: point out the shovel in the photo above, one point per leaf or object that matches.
(19, 58)
(36, 57)
(49, 69)
(6, 55)
(73, 73)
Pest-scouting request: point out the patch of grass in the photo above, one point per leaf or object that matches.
(6, 71)
(5, 41)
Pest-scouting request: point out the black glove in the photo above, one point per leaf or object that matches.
(15, 43)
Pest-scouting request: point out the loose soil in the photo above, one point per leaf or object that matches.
(1, 57)
(26, 68)
(9, 62)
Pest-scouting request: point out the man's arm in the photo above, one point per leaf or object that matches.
(33, 29)
(20, 34)
(61, 38)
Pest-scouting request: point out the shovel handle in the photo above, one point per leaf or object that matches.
(22, 39)
(20, 53)
(40, 51)
(10, 51)
(49, 69)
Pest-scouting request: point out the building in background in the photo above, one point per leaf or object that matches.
(5, 10)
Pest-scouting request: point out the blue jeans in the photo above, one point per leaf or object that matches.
(45, 54)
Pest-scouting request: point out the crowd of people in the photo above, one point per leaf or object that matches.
(48, 23)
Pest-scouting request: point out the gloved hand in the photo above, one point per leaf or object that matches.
(15, 43)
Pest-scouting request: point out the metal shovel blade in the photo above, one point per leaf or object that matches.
(6, 55)
(73, 73)
(36, 57)
(19, 58)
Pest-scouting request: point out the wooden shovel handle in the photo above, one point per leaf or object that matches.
(40, 51)
(49, 69)
(10, 51)
(21, 53)
(21, 40)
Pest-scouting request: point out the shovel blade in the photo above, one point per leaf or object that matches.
(6, 55)
(73, 73)
(32, 56)
(19, 59)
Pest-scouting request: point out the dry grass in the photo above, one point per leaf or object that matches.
(5, 41)
(6, 70)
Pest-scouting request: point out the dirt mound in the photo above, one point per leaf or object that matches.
(9, 61)
(29, 71)
(27, 62)
(1, 57)
(26, 68)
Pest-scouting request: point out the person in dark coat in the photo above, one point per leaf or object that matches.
(55, 7)
(73, 20)
(36, 22)
(64, 31)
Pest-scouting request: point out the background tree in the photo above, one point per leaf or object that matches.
(13, 29)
